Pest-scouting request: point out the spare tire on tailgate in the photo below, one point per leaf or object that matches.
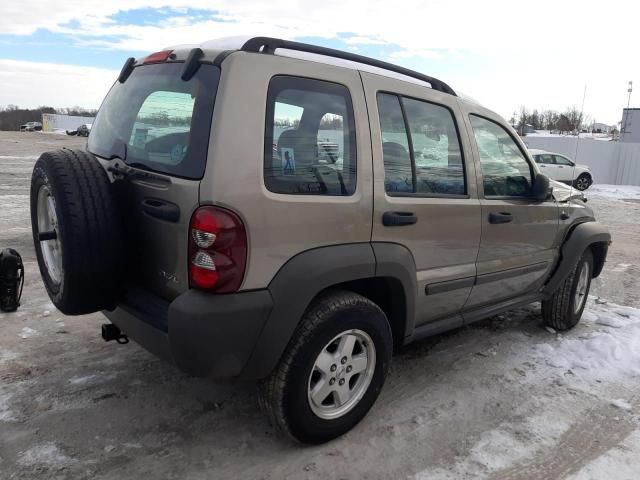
(76, 231)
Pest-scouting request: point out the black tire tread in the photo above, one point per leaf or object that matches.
(584, 175)
(90, 230)
(556, 310)
(270, 390)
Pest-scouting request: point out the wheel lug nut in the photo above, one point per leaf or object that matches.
(332, 381)
(341, 382)
(343, 360)
(349, 368)
(333, 367)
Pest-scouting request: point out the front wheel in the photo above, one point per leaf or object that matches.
(332, 371)
(583, 182)
(564, 309)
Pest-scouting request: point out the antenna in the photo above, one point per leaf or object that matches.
(575, 153)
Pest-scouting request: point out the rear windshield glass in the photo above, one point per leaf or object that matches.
(157, 121)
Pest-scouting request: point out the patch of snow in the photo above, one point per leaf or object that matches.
(47, 454)
(614, 192)
(80, 380)
(621, 404)
(495, 450)
(611, 352)
(6, 415)
(620, 267)
(27, 332)
(586, 356)
(132, 445)
(620, 463)
(610, 322)
(592, 136)
(7, 355)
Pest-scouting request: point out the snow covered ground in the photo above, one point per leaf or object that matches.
(614, 192)
(595, 136)
(503, 398)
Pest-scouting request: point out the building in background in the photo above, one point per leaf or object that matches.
(598, 127)
(53, 122)
(630, 126)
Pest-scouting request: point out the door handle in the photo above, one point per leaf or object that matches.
(500, 217)
(160, 209)
(398, 219)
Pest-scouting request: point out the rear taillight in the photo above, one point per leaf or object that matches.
(217, 250)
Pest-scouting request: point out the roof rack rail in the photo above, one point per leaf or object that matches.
(269, 45)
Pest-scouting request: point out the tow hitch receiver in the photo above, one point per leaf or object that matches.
(112, 332)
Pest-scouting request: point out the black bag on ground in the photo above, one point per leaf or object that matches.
(11, 279)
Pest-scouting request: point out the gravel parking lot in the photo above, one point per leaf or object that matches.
(502, 399)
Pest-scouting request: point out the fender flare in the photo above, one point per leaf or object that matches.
(581, 237)
(298, 282)
(396, 261)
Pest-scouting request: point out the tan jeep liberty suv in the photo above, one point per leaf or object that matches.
(293, 214)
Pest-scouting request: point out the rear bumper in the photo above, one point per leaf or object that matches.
(203, 334)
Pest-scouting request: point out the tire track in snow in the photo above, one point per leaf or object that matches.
(598, 431)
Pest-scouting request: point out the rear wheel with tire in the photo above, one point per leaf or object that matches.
(583, 181)
(563, 310)
(76, 231)
(332, 371)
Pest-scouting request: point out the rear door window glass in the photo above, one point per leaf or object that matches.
(420, 147)
(310, 144)
(398, 167)
(436, 148)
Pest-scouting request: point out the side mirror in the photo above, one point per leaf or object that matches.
(541, 189)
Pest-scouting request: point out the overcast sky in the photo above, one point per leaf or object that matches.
(540, 54)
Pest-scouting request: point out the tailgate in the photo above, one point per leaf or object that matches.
(157, 210)
(153, 128)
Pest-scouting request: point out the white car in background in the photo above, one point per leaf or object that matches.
(560, 168)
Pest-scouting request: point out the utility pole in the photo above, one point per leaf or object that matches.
(625, 113)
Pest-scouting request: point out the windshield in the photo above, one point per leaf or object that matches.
(157, 121)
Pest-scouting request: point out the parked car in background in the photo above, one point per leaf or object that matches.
(31, 127)
(82, 131)
(562, 169)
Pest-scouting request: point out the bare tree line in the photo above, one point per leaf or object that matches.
(12, 116)
(569, 120)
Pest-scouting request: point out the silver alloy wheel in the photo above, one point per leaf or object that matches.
(581, 289)
(582, 183)
(341, 374)
(48, 222)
